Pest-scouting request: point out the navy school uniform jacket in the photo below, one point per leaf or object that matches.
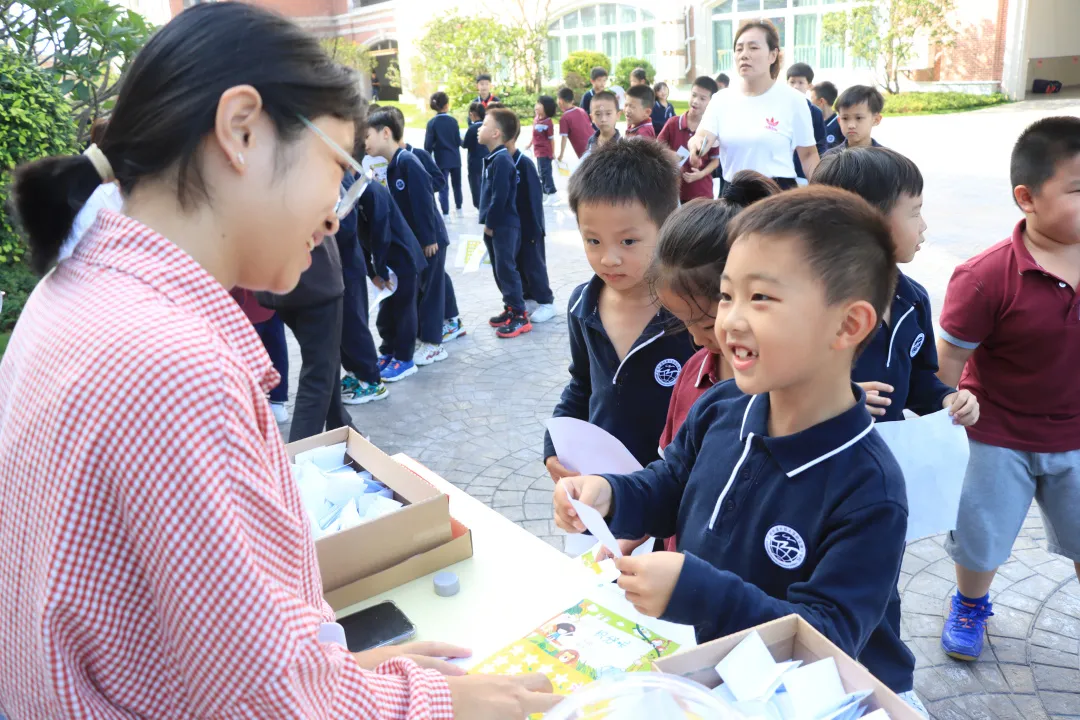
(812, 523)
(477, 152)
(660, 115)
(383, 232)
(529, 199)
(347, 236)
(833, 135)
(586, 100)
(410, 186)
(629, 399)
(498, 191)
(818, 119)
(438, 180)
(903, 354)
(443, 140)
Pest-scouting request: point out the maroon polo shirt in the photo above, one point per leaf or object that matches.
(1023, 325)
(577, 126)
(676, 134)
(645, 129)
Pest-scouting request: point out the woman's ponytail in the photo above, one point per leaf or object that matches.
(747, 187)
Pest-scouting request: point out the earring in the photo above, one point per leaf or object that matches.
(239, 158)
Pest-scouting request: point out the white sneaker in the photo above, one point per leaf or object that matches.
(281, 413)
(530, 306)
(542, 313)
(428, 354)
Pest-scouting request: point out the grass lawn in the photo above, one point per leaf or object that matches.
(932, 103)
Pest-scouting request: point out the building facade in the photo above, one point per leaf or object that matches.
(999, 44)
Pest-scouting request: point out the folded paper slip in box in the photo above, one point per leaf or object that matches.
(384, 553)
(788, 638)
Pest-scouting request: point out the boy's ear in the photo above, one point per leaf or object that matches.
(857, 320)
(877, 119)
(1025, 199)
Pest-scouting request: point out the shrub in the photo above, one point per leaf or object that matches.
(913, 103)
(17, 280)
(621, 76)
(578, 64)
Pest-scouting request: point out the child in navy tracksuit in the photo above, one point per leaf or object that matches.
(410, 186)
(499, 216)
(438, 180)
(443, 140)
(477, 152)
(621, 381)
(898, 369)
(783, 498)
(531, 257)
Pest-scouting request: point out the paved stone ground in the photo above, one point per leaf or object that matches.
(477, 419)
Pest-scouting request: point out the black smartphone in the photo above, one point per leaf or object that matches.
(378, 625)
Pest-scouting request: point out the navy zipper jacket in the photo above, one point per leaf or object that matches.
(629, 399)
(384, 233)
(443, 141)
(530, 198)
(438, 180)
(818, 119)
(811, 523)
(498, 191)
(410, 186)
(477, 152)
(660, 116)
(833, 135)
(903, 353)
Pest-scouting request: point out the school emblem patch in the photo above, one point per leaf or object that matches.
(830, 138)
(785, 547)
(917, 345)
(667, 372)
(400, 184)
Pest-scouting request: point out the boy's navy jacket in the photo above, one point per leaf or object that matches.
(660, 116)
(410, 186)
(903, 353)
(586, 100)
(381, 227)
(477, 152)
(443, 140)
(818, 119)
(498, 191)
(833, 135)
(811, 523)
(629, 399)
(347, 237)
(438, 180)
(530, 198)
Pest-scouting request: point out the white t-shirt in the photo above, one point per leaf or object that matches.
(759, 132)
(107, 196)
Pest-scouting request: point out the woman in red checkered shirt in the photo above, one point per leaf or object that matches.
(155, 560)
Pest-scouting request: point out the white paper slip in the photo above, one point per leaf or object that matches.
(815, 689)
(683, 153)
(933, 454)
(749, 670)
(588, 449)
(594, 523)
(878, 714)
(382, 295)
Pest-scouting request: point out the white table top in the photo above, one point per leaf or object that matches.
(511, 585)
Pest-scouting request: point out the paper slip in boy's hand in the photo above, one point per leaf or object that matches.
(588, 449)
(594, 523)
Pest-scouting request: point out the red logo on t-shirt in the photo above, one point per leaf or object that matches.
(771, 124)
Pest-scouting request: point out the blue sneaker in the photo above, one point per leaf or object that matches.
(385, 360)
(962, 636)
(398, 370)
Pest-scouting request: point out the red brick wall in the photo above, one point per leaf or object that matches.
(979, 49)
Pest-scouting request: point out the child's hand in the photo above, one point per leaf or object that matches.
(430, 250)
(875, 401)
(557, 470)
(378, 282)
(626, 546)
(649, 580)
(592, 490)
(963, 407)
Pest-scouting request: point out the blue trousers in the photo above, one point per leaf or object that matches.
(475, 176)
(454, 175)
(272, 334)
(397, 317)
(357, 346)
(547, 180)
(503, 249)
(451, 309)
(532, 266)
(432, 304)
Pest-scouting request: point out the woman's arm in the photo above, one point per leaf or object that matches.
(809, 157)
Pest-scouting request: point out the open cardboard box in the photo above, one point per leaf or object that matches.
(382, 554)
(788, 638)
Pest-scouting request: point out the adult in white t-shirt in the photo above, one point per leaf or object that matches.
(758, 122)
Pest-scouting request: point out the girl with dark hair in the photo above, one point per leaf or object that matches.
(155, 558)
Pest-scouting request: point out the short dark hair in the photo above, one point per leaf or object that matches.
(643, 93)
(826, 91)
(566, 94)
(483, 76)
(386, 118)
(548, 104)
(859, 94)
(477, 108)
(636, 170)
(639, 74)
(597, 73)
(693, 244)
(802, 70)
(1040, 148)
(658, 87)
(878, 174)
(772, 39)
(846, 241)
(723, 78)
(399, 116)
(605, 95)
(507, 121)
(439, 100)
(706, 83)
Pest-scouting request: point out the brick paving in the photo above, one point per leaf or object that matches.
(477, 419)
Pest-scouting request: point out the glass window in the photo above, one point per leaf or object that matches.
(611, 45)
(805, 3)
(572, 43)
(588, 16)
(781, 27)
(588, 42)
(629, 14)
(776, 4)
(554, 27)
(725, 6)
(569, 21)
(554, 58)
(647, 16)
(749, 5)
(722, 41)
(806, 38)
(648, 44)
(607, 14)
(629, 43)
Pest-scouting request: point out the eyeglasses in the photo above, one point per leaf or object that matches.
(347, 199)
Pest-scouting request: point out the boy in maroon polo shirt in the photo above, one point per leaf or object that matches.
(574, 124)
(678, 131)
(639, 105)
(1011, 334)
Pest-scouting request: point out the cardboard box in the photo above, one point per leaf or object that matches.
(788, 638)
(384, 553)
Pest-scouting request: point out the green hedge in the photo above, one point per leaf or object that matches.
(17, 280)
(916, 103)
(578, 66)
(621, 75)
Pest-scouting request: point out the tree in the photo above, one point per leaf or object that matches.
(456, 48)
(85, 44)
(621, 75)
(884, 34)
(532, 42)
(349, 54)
